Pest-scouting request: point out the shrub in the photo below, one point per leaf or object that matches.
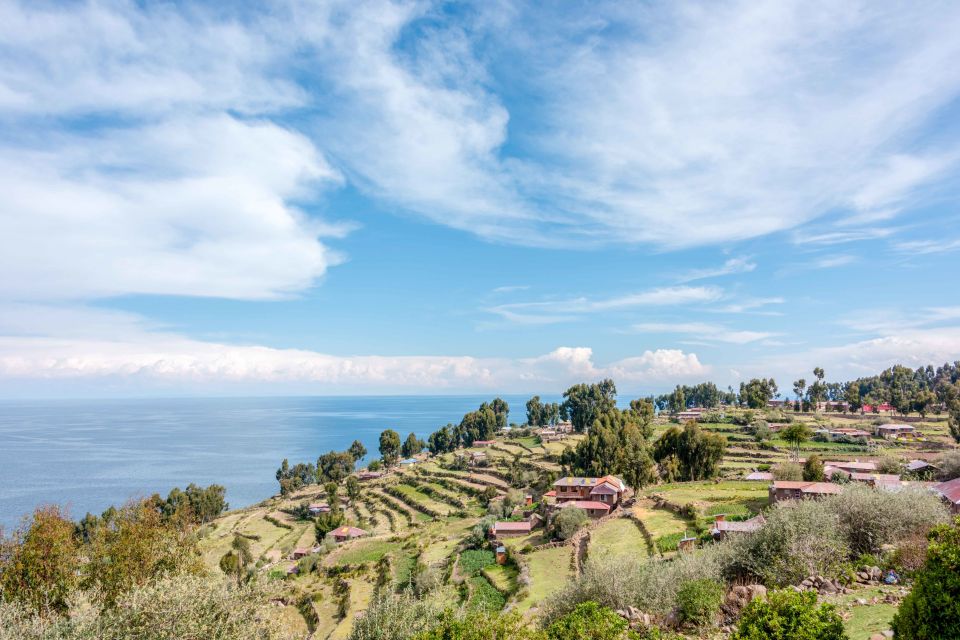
(910, 554)
(698, 602)
(787, 615)
(588, 621)
(801, 538)
(568, 521)
(478, 626)
(652, 586)
(813, 469)
(932, 609)
(788, 471)
(949, 465)
(870, 518)
(395, 616)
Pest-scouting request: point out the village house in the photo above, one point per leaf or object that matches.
(301, 552)
(920, 466)
(344, 533)
(883, 407)
(844, 433)
(723, 527)
(796, 490)
(508, 529)
(849, 466)
(949, 491)
(483, 443)
(593, 508)
(878, 480)
(408, 462)
(689, 414)
(478, 458)
(318, 508)
(894, 431)
(369, 475)
(608, 490)
(761, 476)
(563, 427)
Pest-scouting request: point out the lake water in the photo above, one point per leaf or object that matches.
(89, 454)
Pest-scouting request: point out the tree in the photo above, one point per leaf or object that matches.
(852, 397)
(353, 488)
(796, 434)
(615, 444)
(384, 571)
(412, 446)
(478, 425)
(932, 608)
(390, 447)
(442, 440)
(787, 471)
(535, 412)
(236, 562)
(813, 469)
(568, 521)
(357, 450)
(332, 490)
(696, 452)
(798, 388)
(787, 615)
(678, 400)
(334, 466)
(501, 410)
(584, 402)
(327, 522)
(136, 546)
(40, 563)
(758, 392)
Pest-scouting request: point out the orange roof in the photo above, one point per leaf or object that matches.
(512, 526)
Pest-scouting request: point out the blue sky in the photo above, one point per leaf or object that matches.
(418, 197)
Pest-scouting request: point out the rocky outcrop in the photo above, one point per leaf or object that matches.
(739, 597)
(822, 585)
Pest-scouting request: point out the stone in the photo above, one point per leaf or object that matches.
(888, 633)
(878, 636)
(861, 601)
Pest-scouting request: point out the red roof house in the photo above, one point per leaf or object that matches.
(342, 534)
(593, 508)
(608, 489)
(520, 528)
(795, 490)
(950, 492)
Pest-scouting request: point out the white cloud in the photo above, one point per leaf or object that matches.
(910, 347)
(704, 331)
(731, 266)
(751, 305)
(121, 346)
(928, 246)
(831, 262)
(565, 310)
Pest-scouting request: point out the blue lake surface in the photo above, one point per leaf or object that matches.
(89, 454)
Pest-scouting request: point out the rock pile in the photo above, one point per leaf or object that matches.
(739, 597)
(635, 617)
(869, 575)
(822, 585)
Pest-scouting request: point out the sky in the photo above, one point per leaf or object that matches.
(425, 197)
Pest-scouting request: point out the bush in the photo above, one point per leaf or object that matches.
(787, 615)
(568, 521)
(909, 556)
(698, 602)
(588, 621)
(801, 538)
(870, 518)
(652, 586)
(788, 471)
(932, 609)
(949, 465)
(478, 626)
(395, 616)
(813, 469)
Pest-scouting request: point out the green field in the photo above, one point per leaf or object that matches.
(620, 536)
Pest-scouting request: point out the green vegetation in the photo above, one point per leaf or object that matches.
(932, 610)
(786, 615)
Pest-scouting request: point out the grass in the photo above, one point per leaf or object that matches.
(549, 571)
(618, 537)
(660, 522)
(865, 620)
(421, 498)
(403, 566)
(502, 576)
(364, 551)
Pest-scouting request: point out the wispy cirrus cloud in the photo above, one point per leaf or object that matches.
(703, 331)
(566, 310)
(928, 246)
(750, 305)
(732, 266)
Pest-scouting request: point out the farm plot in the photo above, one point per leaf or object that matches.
(549, 571)
(618, 537)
